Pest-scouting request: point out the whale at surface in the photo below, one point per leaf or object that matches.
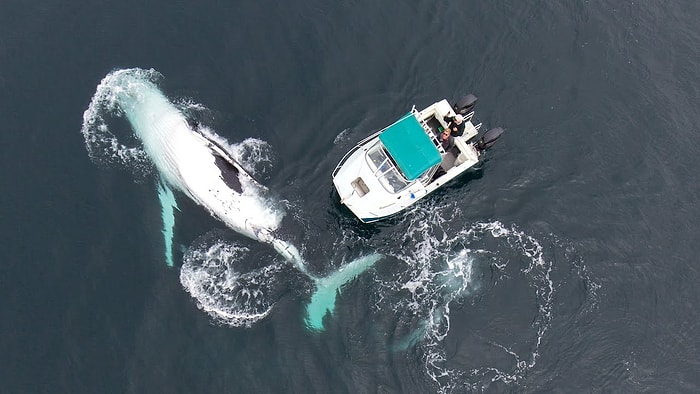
(190, 159)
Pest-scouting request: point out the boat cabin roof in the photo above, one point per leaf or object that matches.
(410, 147)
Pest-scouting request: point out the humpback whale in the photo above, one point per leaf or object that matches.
(189, 159)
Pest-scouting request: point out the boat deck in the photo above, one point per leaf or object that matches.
(449, 157)
(434, 125)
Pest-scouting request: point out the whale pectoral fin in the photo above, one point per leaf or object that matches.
(167, 207)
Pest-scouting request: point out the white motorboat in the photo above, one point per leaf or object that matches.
(395, 167)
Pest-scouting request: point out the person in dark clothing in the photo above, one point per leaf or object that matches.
(446, 140)
(455, 124)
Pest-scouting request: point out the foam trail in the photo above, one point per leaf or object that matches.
(327, 288)
(167, 206)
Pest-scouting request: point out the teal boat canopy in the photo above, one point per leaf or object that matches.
(410, 147)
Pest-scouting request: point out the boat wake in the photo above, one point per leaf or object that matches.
(193, 160)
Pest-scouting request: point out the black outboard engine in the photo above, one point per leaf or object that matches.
(465, 105)
(488, 139)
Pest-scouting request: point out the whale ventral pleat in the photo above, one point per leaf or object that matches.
(229, 173)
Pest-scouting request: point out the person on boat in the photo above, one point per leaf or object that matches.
(455, 124)
(446, 140)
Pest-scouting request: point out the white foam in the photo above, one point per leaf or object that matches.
(440, 271)
(342, 136)
(230, 297)
(254, 154)
(102, 144)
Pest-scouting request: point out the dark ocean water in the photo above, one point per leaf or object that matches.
(578, 233)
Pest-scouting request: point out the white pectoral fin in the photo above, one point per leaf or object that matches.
(167, 206)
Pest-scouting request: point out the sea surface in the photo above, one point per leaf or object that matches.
(567, 261)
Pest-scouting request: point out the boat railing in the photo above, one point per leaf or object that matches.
(427, 177)
(428, 130)
(356, 147)
(342, 161)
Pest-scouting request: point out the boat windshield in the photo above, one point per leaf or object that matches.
(385, 169)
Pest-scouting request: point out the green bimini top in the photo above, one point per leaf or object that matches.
(410, 146)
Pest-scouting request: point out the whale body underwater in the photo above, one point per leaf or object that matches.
(189, 159)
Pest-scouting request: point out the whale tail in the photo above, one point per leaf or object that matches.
(327, 288)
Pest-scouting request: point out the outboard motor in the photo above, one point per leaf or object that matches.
(488, 139)
(465, 105)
